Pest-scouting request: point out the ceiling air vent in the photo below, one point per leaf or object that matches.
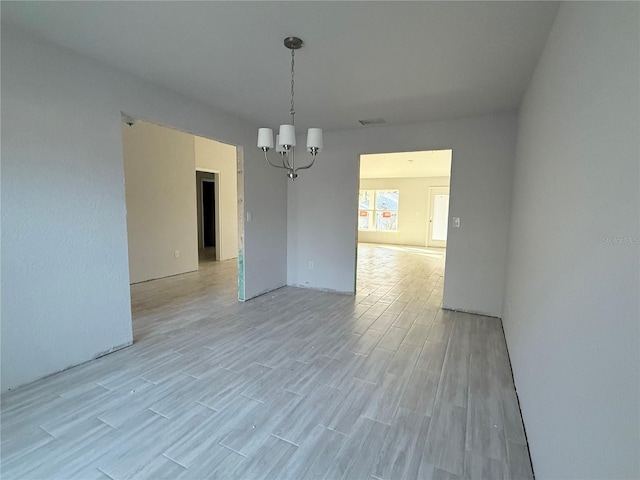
(372, 121)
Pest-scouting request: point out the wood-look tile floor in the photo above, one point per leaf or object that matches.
(295, 384)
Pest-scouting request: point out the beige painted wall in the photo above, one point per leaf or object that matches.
(160, 196)
(221, 158)
(413, 209)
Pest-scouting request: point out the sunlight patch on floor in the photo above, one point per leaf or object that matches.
(424, 251)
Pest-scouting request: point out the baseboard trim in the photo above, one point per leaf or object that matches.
(474, 312)
(95, 357)
(319, 289)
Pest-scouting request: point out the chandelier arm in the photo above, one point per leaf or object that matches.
(285, 162)
(273, 164)
(313, 159)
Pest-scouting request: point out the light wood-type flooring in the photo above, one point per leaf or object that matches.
(295, 384)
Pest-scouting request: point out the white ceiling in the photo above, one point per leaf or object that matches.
(405, 62)
(433, 163)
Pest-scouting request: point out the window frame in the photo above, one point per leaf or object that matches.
(372, 211)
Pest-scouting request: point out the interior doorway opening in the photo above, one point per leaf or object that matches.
(208, 198)
(208, 213)
(403, 218)
(182, 197)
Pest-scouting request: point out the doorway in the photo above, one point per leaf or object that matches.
(170, 217)
(403, 207)
(438, 217)
(209, 213)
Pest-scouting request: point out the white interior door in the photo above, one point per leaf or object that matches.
(438, 216)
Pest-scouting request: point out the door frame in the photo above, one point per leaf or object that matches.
(216, 196)
(433, 191)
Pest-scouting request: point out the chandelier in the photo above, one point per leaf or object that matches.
(286, 138)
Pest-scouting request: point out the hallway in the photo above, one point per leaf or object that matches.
(293, 384)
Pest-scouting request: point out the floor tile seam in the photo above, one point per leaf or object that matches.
(151, 410)
(390, 350)
(444, 363)
(104, 473)
(468, 413)
(360, 446)
(485, 456)
(284, 440)
(53, 437)
(515, 440)
(112, 426)
(231, 449)
(174, 461)
(365, 380)
(373, 418)
(295, 393)
(210, 407)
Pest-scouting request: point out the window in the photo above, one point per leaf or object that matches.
(378, 210)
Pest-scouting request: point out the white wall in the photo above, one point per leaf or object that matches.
(65, 281)
(161, 201)
(413, 209)
(219, 157)
(571, 306)
(323, 205)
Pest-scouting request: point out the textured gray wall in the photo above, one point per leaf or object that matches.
(571, 305)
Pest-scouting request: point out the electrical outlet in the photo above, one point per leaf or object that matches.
(176, 254)
(310, 265)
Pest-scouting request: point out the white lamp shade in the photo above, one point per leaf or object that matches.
(287, 135)
(265, 138)
(314, 139)
(279, 147)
